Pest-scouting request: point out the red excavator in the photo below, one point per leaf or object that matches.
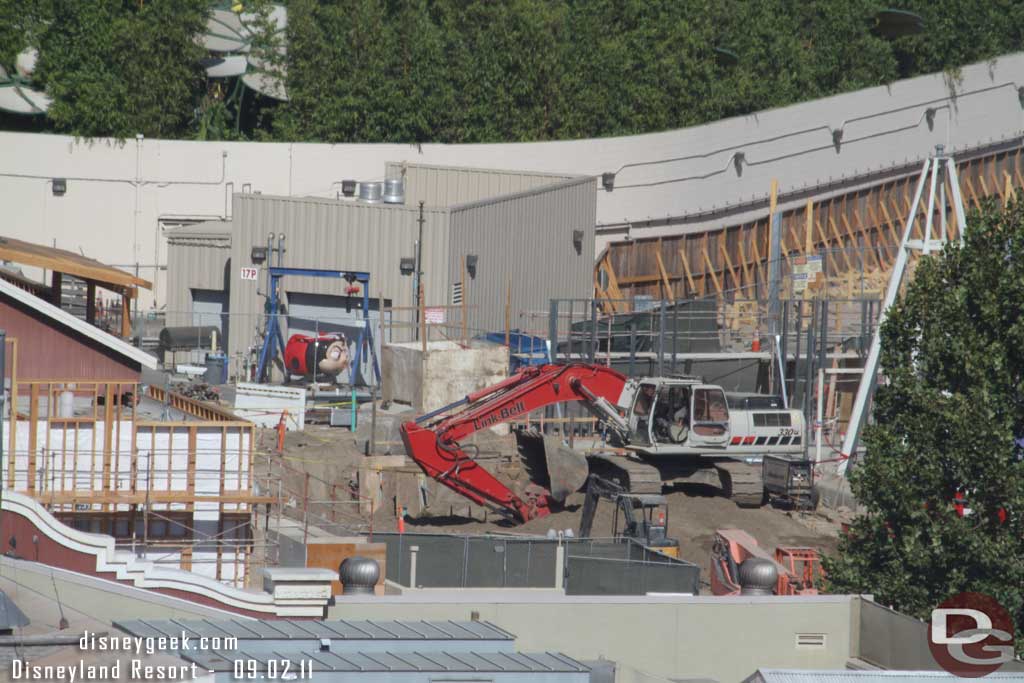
(666, 430)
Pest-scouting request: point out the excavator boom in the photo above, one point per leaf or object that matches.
(432, 440)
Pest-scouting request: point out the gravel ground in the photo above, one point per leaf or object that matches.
(694, 511)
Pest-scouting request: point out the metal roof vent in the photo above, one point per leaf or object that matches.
(371, 192)
(358, 575)
(394, 191)
(348, 188)
(758, 576)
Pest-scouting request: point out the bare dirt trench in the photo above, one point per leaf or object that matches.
(694, 511)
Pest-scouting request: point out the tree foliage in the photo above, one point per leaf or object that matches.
(479, 70)
(947, 422)
(120, 68)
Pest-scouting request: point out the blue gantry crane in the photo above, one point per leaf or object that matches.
(273, 340)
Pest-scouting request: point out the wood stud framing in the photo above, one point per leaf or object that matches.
(730, 262)
(63, 469)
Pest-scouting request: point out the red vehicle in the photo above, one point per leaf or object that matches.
(667, 429)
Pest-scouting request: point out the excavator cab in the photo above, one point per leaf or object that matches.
(642, 518)
(645, 520)
(641, 414)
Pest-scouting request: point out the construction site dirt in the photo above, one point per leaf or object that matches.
(319, 471)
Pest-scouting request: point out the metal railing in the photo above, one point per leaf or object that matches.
(591, 566)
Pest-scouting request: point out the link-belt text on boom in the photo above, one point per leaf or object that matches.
(499, 415)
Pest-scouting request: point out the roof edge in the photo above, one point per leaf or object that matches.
(475, 169)
(532, 192)
(63, 317)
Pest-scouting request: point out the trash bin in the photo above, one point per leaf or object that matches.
(216, 369)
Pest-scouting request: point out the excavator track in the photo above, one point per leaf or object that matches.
(743, 484)
(634, 476)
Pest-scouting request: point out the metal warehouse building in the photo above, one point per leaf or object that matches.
(531, 231)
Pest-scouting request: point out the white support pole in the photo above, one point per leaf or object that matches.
(559, 566)
(928, 218)
(958, 200)
(867, 383)
(413, 552)
(819, 424)
(782, 370)
(942, 204)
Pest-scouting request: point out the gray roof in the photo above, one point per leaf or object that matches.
(77, 325)
(340, 629)
(429, 661)
(206, 229)
(842, 676)
(10, 616)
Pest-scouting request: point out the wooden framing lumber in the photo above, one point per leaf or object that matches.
(668, 296)
(728, 262)
(743, 260)
(686, 269)
(809, 228)
(710, 267)
(873, 217)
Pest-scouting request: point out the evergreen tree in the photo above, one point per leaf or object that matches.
(120, 68)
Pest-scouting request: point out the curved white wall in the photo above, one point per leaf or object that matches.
(882, 127)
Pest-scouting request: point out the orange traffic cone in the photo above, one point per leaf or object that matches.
(756, 344)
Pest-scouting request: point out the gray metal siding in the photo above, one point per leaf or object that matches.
(193, 264)
(331, 234)
(525, 240)
(444, 186)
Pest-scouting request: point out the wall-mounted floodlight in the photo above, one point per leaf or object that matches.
(471, 261)
(608, 181)
(258, 255)
(407, 265)
(738, 159)
(577, 240)
(59, 186)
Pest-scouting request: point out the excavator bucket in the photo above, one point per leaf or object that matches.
(553, 465)
(567, 468)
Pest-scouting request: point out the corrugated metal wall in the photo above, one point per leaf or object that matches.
(441, 186)
(525, 240)
(194, 263)
(331, 234)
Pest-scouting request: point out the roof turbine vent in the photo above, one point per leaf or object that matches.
(371, 192)
(358, 575)
(758, 576)
(394, 191)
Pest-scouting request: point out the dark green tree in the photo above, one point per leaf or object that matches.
(947, 421)
(478, 70)
(117, 68)
(341, 73)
